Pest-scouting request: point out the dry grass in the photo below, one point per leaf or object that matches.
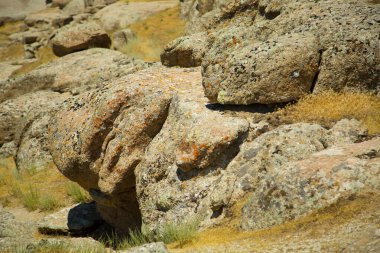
(153, 34)
(313, 225)
(329, 107)
(44, 190)
(11, 51)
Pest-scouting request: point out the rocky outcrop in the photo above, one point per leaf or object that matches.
(79, 37)
(98, 138)
(52, 17)
(23, 126)
(294, 189)
(185, 51)
(121, 38)
(73, 73)
(120, 15)
(278, 51)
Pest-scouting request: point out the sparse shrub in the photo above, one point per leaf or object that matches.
(48, 203)
(181, 233)
(329, 107)
(77, 193)
(31, 199)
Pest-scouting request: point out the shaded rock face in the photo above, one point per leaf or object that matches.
(73, 73)
(296, 188)
(255, 47)
(79, 37)
(99, 138)
(74, 220)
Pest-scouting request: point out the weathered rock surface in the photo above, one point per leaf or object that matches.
(120, 15)
(257, 48)
(7, 68)
(51, 17)
(73, 73)
(79, 37)
(98, 138)
(185, 51)
(186, 189)
(74, 220)
(296, 188)
(156, 247)
(14, 112)
(121, 38)
(14, 233)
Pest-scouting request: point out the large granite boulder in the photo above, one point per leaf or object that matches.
(50, 17)
(297, 188)
(23, 127)
(185, 51)
(98, 138)
(277, 51)
(79, 37)
(73, 73)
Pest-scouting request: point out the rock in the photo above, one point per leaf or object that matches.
(207, 193)
(23, 124)
(156, 247)
(120, 15)
(52, 17)
(8, 149)
(275, 76)
(14, 233)
(185, 51)
(98, 138)
(60, 3)
(74, 220)
(121, 38)
(73, 73)
(7, 68)
(79, 37)
(252, 46)
(321, 180)
(75, 7)
(184, 163)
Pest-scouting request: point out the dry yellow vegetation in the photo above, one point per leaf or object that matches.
(154, 33)
(310, 227)
(329, 107)
(43, 190)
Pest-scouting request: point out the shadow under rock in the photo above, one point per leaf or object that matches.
(254, 108)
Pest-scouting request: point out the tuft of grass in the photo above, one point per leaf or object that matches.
(34, 189)
(48, 203)
(180, 233)
(31, 198)
(77, 193)
(329, 107)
